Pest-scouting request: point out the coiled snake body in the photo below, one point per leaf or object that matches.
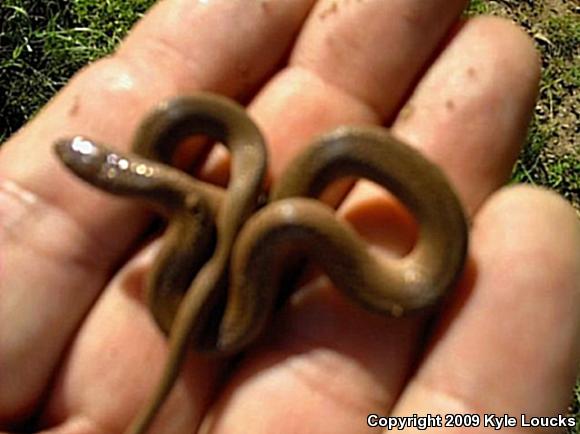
(222, 257)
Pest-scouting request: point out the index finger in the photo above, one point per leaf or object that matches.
(58, 235)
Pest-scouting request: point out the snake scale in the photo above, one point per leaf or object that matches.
(216, 279)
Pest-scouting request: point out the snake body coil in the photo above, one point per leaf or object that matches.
(218, 249)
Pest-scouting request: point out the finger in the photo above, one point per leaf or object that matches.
(353, 63)
(329, 356)
(520, 319)
(107, 100)
(59, 235)
(469, 114)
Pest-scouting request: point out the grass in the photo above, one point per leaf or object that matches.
(552, 155)
(43, 43)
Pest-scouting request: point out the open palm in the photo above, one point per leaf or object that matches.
(79, 353)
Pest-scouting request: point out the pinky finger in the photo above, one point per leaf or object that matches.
(509, 343)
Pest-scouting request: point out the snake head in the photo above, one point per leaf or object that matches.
(105, 168)
(82, 156)
(122, 174)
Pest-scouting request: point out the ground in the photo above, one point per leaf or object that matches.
(552, 157)
(44, 43)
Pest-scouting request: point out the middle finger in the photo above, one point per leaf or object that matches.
(353, 62)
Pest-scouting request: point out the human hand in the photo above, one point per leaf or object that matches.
(325, 364)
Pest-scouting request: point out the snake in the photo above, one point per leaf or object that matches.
(226, 255)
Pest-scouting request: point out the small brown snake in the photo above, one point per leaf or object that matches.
(215, 282)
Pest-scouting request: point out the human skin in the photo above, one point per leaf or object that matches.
(77, 344)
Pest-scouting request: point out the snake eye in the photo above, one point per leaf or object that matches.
(81, 155)
(83, 146)
(75, 149)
